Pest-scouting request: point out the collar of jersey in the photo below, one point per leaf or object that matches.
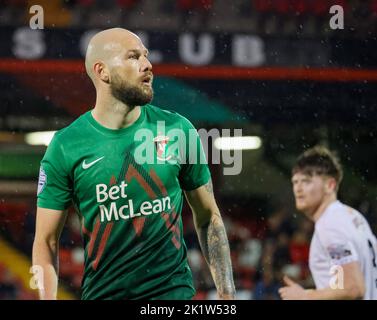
(116, 132)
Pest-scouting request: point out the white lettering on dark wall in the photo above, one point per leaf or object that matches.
(195, 50)
(248, 51)
(28, 44)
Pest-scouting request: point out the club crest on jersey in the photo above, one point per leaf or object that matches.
(161, 143)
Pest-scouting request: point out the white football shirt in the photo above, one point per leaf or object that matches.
(342, 235)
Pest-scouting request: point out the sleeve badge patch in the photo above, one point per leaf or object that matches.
(42, 180)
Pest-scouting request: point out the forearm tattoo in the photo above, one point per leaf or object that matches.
(215, 246)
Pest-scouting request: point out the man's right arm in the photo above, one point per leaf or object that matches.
(49, 225)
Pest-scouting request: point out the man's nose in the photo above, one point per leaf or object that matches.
(146, 65)
(297, 187)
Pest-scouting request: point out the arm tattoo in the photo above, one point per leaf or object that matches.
(214, 243)
(209, 187)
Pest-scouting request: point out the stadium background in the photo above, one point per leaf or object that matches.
(273, 68)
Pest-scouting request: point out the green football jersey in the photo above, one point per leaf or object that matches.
(126, 186)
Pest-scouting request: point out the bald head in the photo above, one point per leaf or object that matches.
(117, 62)
(107, 44)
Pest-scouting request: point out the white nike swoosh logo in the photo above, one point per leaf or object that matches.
(88, 165)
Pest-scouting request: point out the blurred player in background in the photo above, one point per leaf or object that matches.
(130, 212)
(343, 249)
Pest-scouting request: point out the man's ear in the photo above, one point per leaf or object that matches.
(331, 184)
(101, 72)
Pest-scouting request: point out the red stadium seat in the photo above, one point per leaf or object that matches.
(282, 6)
(185, 4)
(300, 7)
(263, 6)
(299, 253)
(68, 267)
(320, 7)
(205, 4)
(373, 7)
(195, 4)
(126, 3)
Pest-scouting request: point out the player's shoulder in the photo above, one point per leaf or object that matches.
(337, 216)
(73, 130)
(166, 114)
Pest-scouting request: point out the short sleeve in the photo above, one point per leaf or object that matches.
(54, 184)
(339, 247)
(194, 172)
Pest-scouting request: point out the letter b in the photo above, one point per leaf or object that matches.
(101, 190)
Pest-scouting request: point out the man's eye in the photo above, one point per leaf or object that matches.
(133, 56)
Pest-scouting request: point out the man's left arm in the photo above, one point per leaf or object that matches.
(212, 237)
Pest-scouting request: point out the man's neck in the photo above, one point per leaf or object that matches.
(114, 114)
(322, 208)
